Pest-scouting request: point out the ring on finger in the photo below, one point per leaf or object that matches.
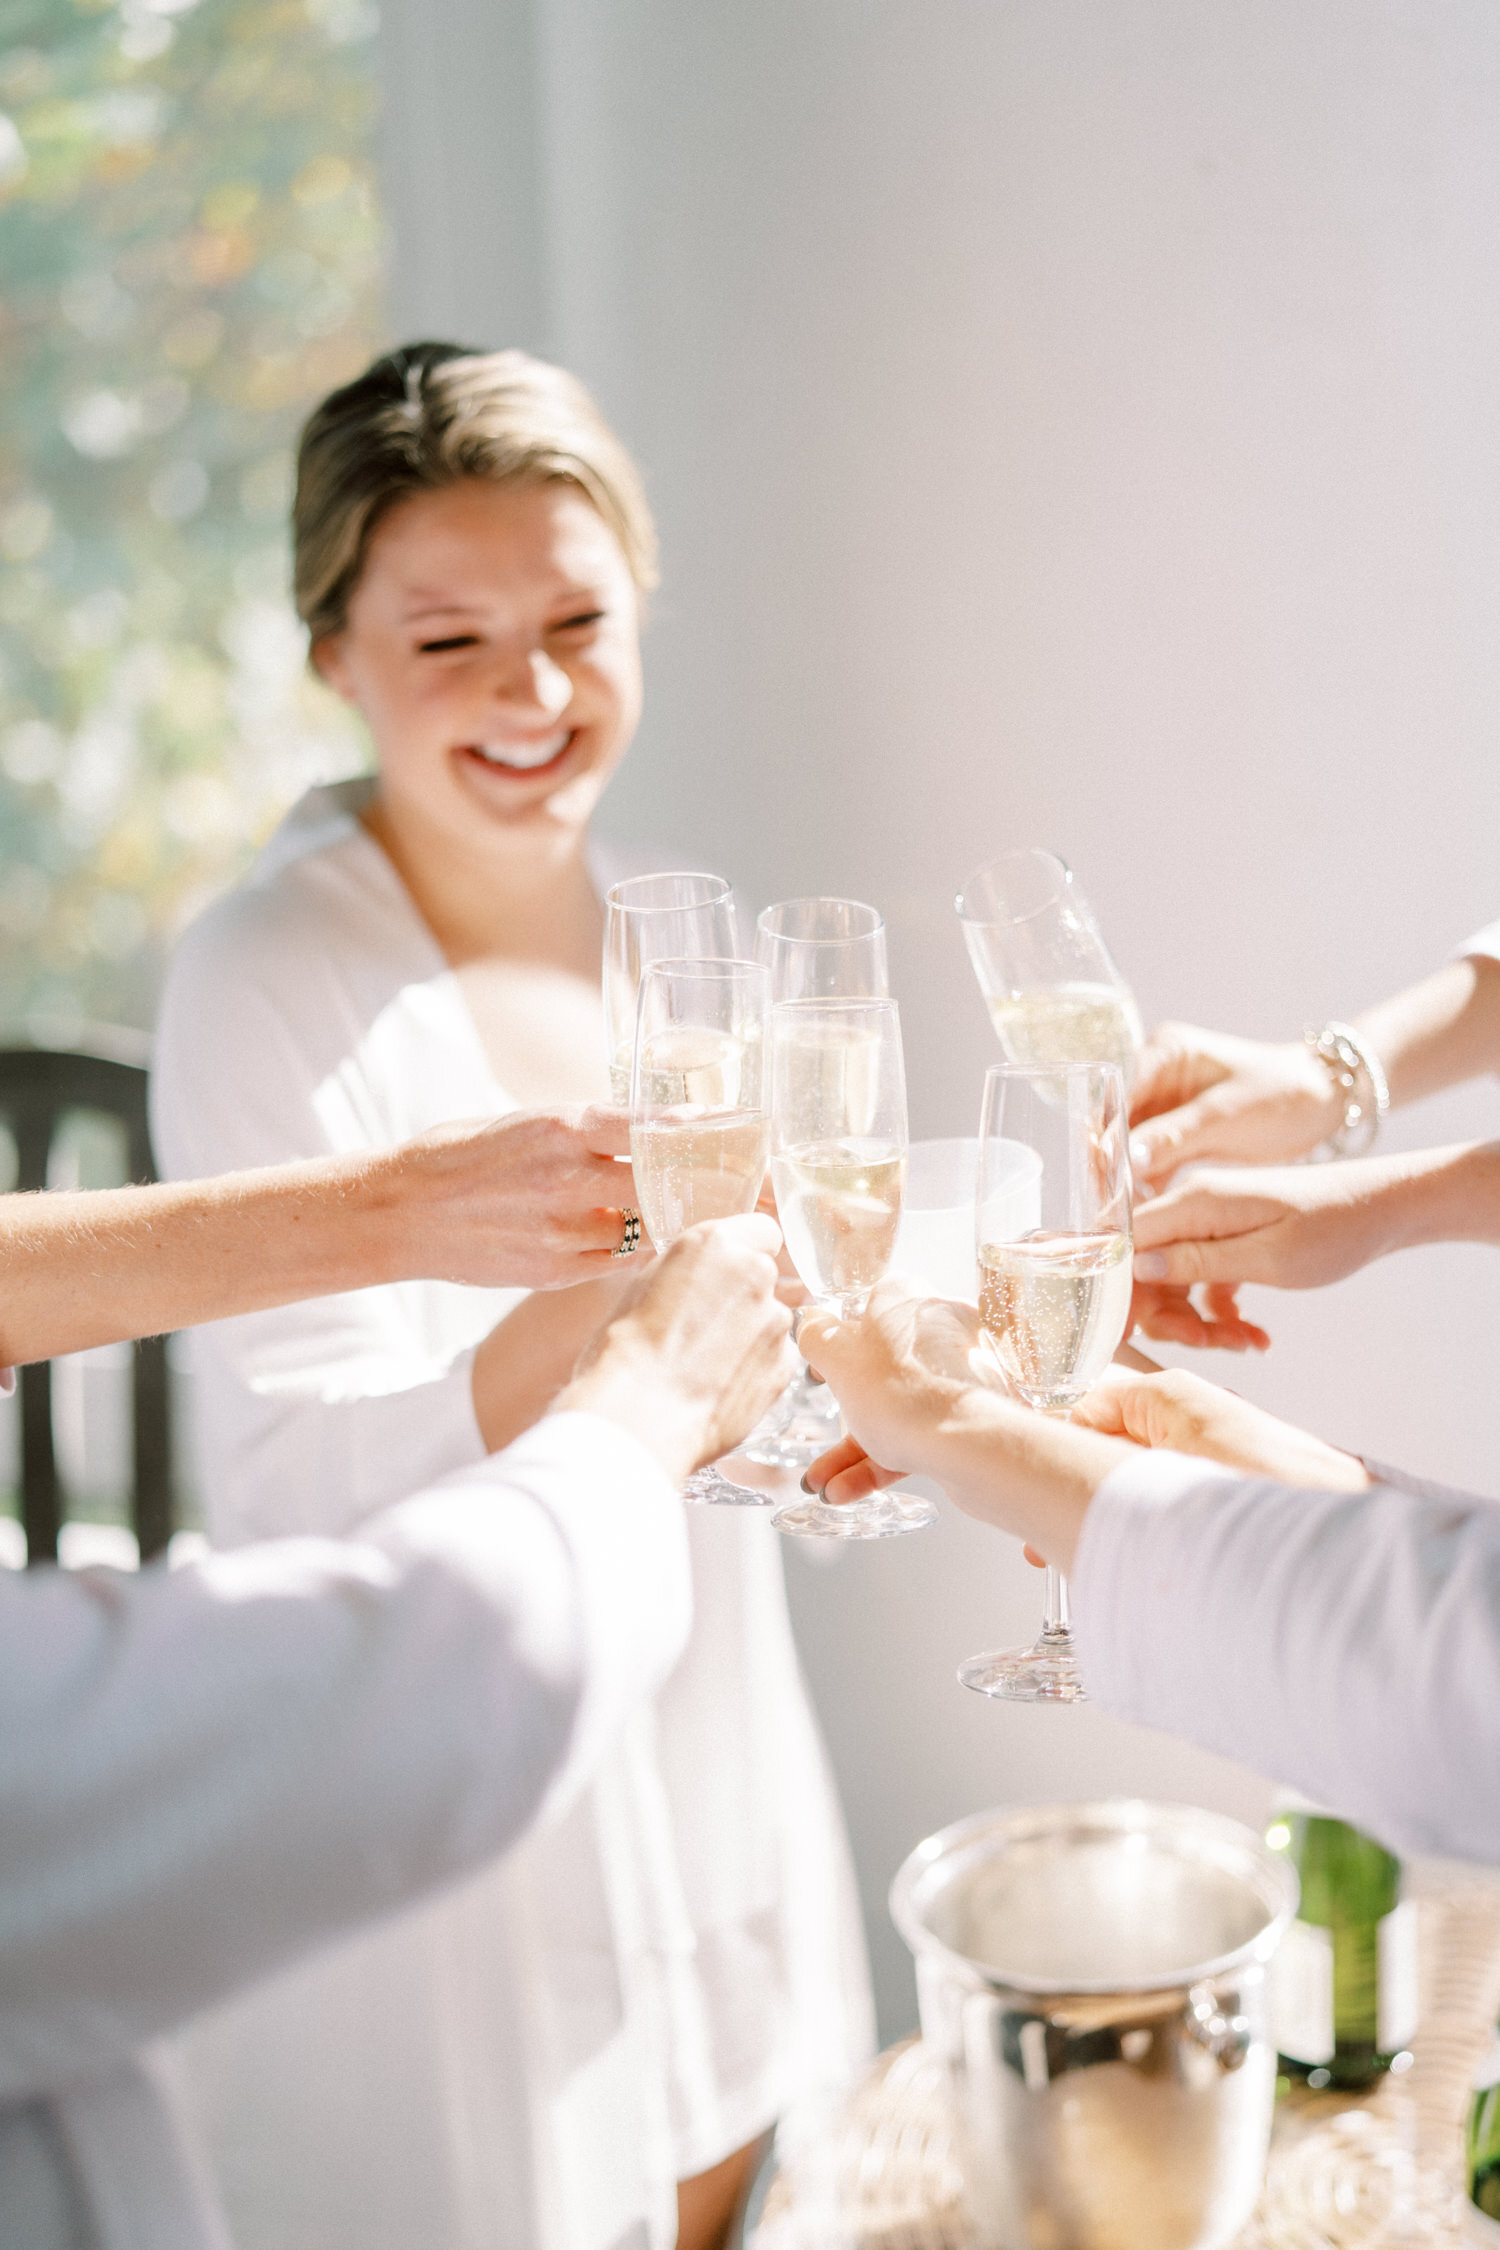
(630, 1239)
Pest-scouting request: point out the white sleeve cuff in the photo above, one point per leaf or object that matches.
(1485, 943)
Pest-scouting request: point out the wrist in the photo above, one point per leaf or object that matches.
(627, 1383)
(1026, 1473)
(388, 1217)
(1296, 1457)
(1354, 1072)
(1448, 1195)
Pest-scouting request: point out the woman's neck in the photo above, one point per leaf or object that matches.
(525, 895)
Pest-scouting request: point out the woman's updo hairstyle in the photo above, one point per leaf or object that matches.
(430, 415)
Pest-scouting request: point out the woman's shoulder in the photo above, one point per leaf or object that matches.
(319, 888)
(279, 990)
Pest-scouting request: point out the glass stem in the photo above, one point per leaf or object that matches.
(1057, 1622)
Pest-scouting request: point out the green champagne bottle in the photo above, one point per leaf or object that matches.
(1344, 1980)
(1482, 2142)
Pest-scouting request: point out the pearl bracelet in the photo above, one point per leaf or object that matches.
(1355, 1069)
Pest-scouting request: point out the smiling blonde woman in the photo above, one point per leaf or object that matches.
(581, 2050)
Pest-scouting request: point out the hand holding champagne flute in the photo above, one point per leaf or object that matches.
(838, 1126)
(699, 1128)
(1054, 1299)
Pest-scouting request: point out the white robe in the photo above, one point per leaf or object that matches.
(207, 1773)
(531, 2064)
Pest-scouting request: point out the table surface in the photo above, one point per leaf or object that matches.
(1382, 2171)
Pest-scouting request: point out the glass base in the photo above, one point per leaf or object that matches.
(802, 1424)
(884, 1516)
(1047, 1672)
(706, 1488)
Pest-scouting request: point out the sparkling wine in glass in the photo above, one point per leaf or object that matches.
(1054, 1288)
(699, 1124)
(838, 1139)
(1053, 992)
(656, 918)
(815, 949)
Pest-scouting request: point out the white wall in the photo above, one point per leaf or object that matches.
(1071, 421)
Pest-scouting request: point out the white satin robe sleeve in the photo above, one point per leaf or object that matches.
(325, 1411)
(207, 1771)
(1346, 1643)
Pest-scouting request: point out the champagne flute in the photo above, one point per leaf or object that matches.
(838, 1137)
(1052, 989)
(656, 918)
(699, 1128)
(823, 949)
(815, 949)
(1054, 1290)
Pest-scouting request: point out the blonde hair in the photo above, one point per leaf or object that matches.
(430, 415)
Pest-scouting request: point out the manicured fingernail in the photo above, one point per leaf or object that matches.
(813, 1491)
(1140, 1156)
(1150, 1265)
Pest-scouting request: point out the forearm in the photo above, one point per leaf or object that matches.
(1022, 1472)
(1442, 1195)
(1438, 1032)
(303, 1736)
(527, 1358)
(90, 1268)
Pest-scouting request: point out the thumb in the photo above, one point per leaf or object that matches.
(818, 1336)
(1102, 1409)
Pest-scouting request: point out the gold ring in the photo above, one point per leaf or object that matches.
(630, 1240)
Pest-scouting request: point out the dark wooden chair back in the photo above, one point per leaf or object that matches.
(38, 1087)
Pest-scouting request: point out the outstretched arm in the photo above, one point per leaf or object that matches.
(917, 1389)
(529, 1199)
(1203, 1096)
(1341, 1634)
(1302, 1226)
(205, 1772)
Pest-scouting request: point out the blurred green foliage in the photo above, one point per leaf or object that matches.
(189, 250)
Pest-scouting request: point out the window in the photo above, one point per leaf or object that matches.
(189, 251)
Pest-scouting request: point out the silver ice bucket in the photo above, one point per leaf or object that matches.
(1095, 1978)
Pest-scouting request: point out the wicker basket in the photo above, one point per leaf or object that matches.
(1375, 2172)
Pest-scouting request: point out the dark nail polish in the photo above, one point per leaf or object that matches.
(813, 1491)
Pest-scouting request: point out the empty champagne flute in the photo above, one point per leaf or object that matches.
(838, 1161)
(699, 1128)
(656, 918)
(815, 949)
(1054, 1288)
(1052, 989)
